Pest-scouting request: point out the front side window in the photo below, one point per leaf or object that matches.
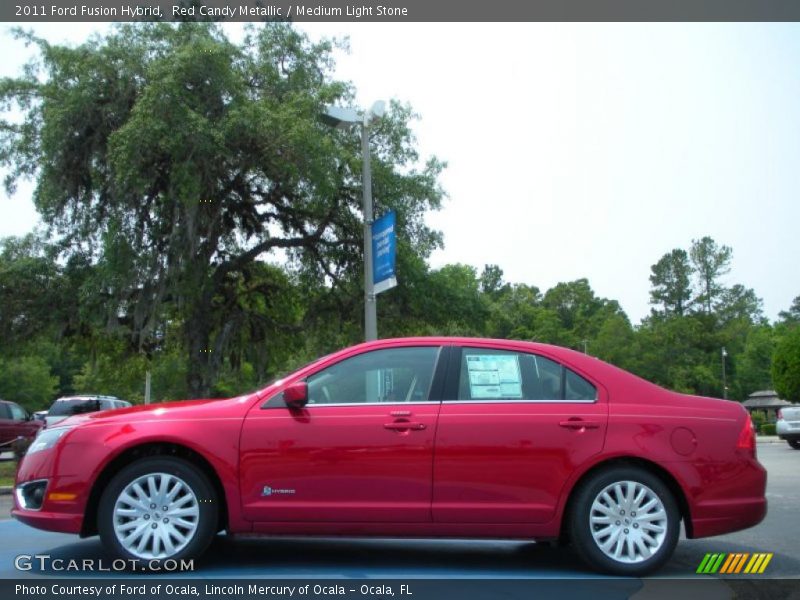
(488, 374)
(17, 413)
(382, 376)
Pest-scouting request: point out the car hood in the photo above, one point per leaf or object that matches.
(166, 410)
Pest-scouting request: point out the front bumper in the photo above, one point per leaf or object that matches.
(49, 521)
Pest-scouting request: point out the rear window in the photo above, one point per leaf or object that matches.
(67, 408)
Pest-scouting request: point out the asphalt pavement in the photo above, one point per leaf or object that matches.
(391, 558)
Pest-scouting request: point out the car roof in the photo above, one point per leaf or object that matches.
(84, 398)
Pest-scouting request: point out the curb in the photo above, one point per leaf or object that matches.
(769, 439)
(5, 490)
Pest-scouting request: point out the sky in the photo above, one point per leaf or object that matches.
(581, 150)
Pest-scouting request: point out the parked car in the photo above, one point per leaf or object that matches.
(15, 422)
(79, 405)
(40, 415)
(453, 437)
(788, 425)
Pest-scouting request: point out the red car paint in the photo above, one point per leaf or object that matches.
(432, 467)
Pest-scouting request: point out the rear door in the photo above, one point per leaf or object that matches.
(513, 426)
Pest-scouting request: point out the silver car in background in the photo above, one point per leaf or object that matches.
(788, 425)
(79, 405)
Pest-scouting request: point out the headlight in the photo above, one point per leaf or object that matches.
(47, 438)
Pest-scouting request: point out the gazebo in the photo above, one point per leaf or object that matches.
(766, 401)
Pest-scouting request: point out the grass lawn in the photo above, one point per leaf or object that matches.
(7, 469)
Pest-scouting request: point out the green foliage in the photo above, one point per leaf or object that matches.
(671, 280)
(767, 429)
(710, 262)
(753, 364)
(27, 380)
(204, 225)
(791, 316)
(183, 159)
(786, 365)
(759, 419)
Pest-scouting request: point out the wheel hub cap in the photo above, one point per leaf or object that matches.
(628, 522)
(149, 533)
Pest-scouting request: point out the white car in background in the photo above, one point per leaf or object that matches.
(788, 425)
(79, 405)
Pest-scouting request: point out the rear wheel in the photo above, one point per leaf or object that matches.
(794, 444)
(624, 521)
(156, 509)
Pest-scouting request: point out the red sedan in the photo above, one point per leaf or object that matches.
(418, 437)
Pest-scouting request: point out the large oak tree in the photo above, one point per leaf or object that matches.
(178, 161)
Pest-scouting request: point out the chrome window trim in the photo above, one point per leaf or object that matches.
(520, 401)
(424, 403)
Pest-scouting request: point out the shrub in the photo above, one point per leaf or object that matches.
(767, 429)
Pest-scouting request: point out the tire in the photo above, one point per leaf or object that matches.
(126, 515)
(649, 540)
(794, 444)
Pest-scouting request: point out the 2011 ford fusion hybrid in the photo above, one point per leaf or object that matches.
(417, 437)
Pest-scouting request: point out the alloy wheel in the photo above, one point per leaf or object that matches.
(628, 522)
(156, 515)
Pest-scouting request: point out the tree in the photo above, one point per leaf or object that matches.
(27, 380)
(753, 364)
(671, 281)
(492, 283)
(710, 262)
(786, 366)
(791, 316)
(739, 303)
(29, 282)
(177, 159)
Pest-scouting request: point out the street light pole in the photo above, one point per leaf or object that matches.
(370, 303)
(724, 378)
(341, 118)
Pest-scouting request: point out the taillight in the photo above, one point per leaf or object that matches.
(747, 437)
(780, 414)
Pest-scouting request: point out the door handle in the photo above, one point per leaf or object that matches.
(575, 423)
(404, 425)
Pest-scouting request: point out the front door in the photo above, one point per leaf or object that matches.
(360, 451)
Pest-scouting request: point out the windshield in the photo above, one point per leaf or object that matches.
(78, 406)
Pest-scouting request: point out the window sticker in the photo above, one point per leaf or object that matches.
(494, 376)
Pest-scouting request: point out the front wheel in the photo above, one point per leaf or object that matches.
(794, 444)
(624, 521)
(157, 509)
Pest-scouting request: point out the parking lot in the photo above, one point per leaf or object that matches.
(390, 558)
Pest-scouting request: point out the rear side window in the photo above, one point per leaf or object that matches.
(67, 408)
(5, 412)
(488, 374)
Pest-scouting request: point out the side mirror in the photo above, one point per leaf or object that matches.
(296, 395)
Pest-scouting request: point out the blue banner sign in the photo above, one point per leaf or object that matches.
(384, 250)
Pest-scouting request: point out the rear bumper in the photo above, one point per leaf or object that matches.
(787, 430)
(735, 503)
(728, 516)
